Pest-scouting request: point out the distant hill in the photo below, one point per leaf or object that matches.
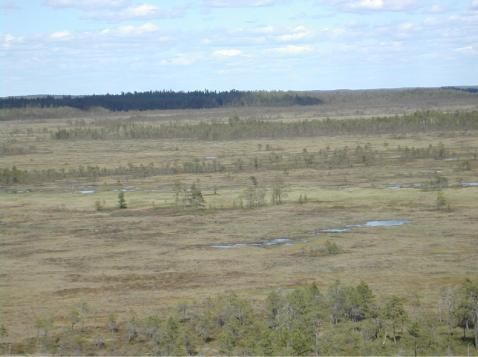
(333, 102)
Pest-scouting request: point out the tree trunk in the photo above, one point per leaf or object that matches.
(476, 336)
(317, 337)
(476, 328)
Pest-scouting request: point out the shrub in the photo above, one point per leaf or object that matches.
(332, 248)
(442, 202)
(99, 205)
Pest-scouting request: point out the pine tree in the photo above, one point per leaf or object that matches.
(122, 201)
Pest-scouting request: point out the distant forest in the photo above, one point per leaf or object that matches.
(164, 100)
(464, 89)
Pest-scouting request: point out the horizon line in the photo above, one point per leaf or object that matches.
(243, 90)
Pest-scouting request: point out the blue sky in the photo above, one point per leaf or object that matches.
(109, 46)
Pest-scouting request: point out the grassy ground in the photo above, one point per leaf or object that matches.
(57, 250)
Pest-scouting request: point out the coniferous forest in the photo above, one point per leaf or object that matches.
(163, 100)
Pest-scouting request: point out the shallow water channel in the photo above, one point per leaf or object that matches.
(288, 241)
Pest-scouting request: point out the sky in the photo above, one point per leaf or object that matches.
(111, 46)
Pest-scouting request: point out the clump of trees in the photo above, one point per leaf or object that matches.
(14, 175)
(302, 199)
(329, 248)
(437, 152)
(237, 128)
(342, 320)
(459, 308)
(442, 202)
(11, 176)
(329, 158)
(100, 205)
(185, 196)
(278, 191)
(438, 182)
(254, 195)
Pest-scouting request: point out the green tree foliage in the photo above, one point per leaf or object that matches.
(468, 307)
(195, 197)
(112, 324)
(329, 158)
(415, 331)
(439, 182)
(255, 128)
(441, 201)
(121, 200)
(254, 195)
(332, 248)
(3, 331)
(100, 205)
(74, 317)
(394, 311)
(188, 197)
(43, 326)
(12, 176)
(345, 320)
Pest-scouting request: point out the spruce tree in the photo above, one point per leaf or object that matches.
(121, 200)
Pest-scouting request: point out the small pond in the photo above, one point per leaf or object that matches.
(469, 184)
(87, 190)
(261, 244)
(368, 224)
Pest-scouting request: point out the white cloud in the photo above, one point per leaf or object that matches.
(258, 35)
(333, 32)
(291, 50)
(406, 26)
(141, 10)
(61, 35)
(227, 52)
(137, 30)
(180, 60)
(130, 30)
(298, 33)
(375, 5)
(474, 4)
(78, 41)
(367, 4)
(466, 50)
(86, 4)
(264, 29)
(117, 10)
(437, 8)
(238, 3)
(8, 40)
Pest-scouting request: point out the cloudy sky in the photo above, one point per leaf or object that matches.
(109, 46)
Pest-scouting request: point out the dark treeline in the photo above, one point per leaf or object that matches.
(342, 320)
(236, 128)
(464, 89)
(164, 100)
